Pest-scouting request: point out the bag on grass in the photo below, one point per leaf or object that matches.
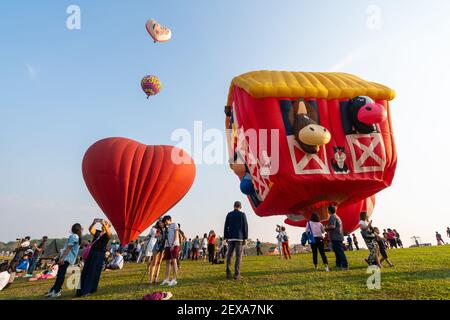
(158, 296)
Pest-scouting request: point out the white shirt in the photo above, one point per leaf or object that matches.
(4, 279)
(173, 241)
(118, 261)
(316, 228)
(25, 244)
(363, 224)
(205, 243)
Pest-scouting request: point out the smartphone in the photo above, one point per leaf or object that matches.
(98, 220)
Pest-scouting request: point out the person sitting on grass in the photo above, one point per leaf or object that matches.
(23, 265)
(171, 251)
(381, 247)
(7, 275)
(49, 273)
(117, 263)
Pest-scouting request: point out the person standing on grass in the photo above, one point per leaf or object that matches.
(181, 240)
(317, 230)
(285, 244)
(38, 250)
(158, 252)
(204, 246)
(93, 266)
(236, 235)
(337, 238)
(152, 239)
(279, 240)
(355, 242)
(224, 248)
(195, 248)
(258, 248)
(448, 232)
(171, 251)
(380, 240)
(397, 239)
(439, 239)
(391, 239)
(211, 246)
(68, 257)
(369, 238)
(349, 243)
(386, 241)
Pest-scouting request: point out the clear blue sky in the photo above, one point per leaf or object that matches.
(62, 90)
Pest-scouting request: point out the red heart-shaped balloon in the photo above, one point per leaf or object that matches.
(135, 184)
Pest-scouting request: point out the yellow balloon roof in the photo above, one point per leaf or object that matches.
(327, 85)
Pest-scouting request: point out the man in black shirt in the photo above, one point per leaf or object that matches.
(38, 250)
(236, 234)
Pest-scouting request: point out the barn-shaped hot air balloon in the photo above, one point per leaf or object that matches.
(349, 215)
(309, 139)
(134, 184)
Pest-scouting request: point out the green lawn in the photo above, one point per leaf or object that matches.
(419, 273)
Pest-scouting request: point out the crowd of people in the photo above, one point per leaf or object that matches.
(167, 242)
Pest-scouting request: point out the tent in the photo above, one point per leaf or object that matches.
(51, 250)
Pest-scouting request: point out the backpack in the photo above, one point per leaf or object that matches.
(304, 238)
(285, 238)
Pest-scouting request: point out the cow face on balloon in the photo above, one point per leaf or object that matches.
(330, 140)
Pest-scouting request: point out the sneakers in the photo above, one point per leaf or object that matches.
(173, 283)
(165, 282)
(48, 294)
(327, 269)
(315, 268)
(28, 276)
(53, 294)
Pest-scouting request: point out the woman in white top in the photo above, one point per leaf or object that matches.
(317, 230)
(152, 238)
(204, 246)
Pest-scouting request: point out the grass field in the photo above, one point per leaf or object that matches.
(419, 273)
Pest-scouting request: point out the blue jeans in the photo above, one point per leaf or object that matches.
(33, 264)
(341, 259)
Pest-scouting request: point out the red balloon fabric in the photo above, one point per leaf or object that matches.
(349, 215)
(288, 177)
(135, 184)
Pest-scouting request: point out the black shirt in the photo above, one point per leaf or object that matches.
(100, 244)
(40, 246)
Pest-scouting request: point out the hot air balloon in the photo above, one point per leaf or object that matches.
(134, 184)
(157, 31)
(349, 215)
(151, 85)
(309, 140)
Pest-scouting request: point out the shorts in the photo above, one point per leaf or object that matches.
(171, 253)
